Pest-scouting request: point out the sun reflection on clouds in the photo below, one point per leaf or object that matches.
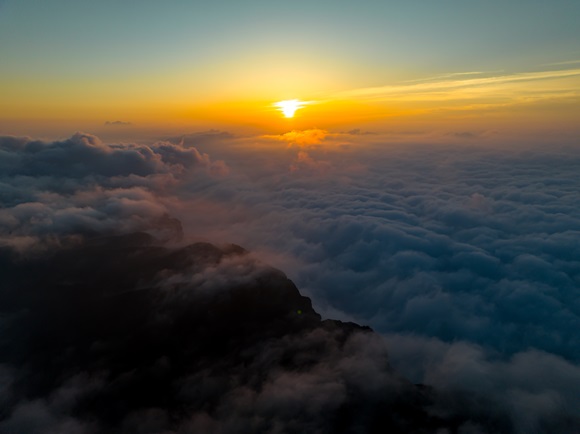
(312, 136)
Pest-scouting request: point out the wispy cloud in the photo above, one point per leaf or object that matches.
(450, 75)
(567, 62)
(473, 89)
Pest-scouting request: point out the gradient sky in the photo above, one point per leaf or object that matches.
(179, 64)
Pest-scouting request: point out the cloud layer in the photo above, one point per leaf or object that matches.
(458, 243)
(464, 258)
(83, 185)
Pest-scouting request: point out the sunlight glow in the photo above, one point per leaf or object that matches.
(289, 107)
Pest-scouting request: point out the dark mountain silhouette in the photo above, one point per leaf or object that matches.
(120, 334)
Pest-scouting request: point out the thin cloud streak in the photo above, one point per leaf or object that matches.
(567, 62)
(509, 89)
(449, 75)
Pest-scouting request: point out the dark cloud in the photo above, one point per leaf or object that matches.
(81, 184)
(117, 123)
(468, 134)
(84, 155)
(201, 138)
(359, 132)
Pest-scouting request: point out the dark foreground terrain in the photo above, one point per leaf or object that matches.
(122, 335)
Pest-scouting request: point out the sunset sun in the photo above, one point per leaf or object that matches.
(289, 107)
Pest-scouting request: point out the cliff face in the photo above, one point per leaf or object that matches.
(119, 334)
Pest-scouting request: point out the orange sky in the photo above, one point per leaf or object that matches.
(168, 69)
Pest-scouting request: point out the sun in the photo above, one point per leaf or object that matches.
(289, 106)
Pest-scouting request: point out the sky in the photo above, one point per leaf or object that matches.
(426, 187)
(177, 65)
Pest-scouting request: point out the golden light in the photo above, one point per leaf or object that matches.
(289, 107)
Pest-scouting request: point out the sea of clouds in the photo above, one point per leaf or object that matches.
(465, 257)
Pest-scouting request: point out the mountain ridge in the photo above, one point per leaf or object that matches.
(122, 334)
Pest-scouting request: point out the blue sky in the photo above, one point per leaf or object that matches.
(375, 39)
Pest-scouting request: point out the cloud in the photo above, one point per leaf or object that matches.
(448, 85)
(532, 391)
(81, 185)
(463, 257)
(475, 90)
(358, 131)
(567, 62)
(461, 244)
(306, 162)
(301, 137)
(117, 123)
(199, 138)
(485, 220)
